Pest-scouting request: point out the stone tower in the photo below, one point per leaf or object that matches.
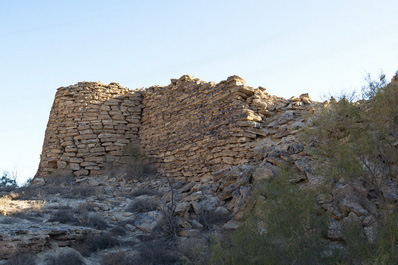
(89, 124)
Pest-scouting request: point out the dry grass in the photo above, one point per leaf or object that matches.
(5, 205)
(8, 206)
(94, 243)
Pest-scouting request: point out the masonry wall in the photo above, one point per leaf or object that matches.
(89, 125)
(195, 128)
(192, 129)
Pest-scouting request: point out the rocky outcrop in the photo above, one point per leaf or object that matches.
(19, 235)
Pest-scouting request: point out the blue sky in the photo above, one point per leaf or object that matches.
(289, 47)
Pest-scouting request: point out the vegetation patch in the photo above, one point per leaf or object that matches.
(70, 257)
(140, 206)
(22, 259)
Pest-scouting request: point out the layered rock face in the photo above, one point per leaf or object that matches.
(191, 128)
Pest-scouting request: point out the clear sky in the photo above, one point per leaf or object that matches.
(289, 47)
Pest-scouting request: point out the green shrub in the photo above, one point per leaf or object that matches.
(356, 140)
(194, 251)
(382, 251)
(7, 182)
(352, 140)
(285, 228)
(385, 249)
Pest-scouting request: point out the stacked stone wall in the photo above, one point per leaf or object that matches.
(89, 125)
(195, 128)
(192, 129)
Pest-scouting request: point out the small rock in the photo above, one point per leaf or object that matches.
(194, 196)
(197, 225)
(196, 207)
(231, 225)
(146, 222)
(38, 181)
(187, 187)
(262, 173)
(371, 233)
(221, 210)
(334, 230)
(93, 182)
(182, 207)
(130, 227)
(352, 206)
(190, 233)
(80, 180)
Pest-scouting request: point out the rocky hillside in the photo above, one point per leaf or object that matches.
(317, 184)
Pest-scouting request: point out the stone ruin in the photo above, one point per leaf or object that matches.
(192, 129)
(215, 139)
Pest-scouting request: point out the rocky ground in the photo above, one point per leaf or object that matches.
(94, 218)
(123, 215)
(124, 219)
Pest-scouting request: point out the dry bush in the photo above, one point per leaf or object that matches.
(141, 192)
(86, 207)
(5, 204)
(70, 257)
(156, 252)
(118, 231)
(117, 258)
(29, 192)
(141, 206)
(22, 259)
(96, 242)
(61, 182)
(74, 191)
(169, 225)
(65, 216)
(80, 191)
(57, 207)
(93, 220)
(9, 220)
(61, 177)
(194, 251)
(68, 215)
(211, 218)
(33, 216)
